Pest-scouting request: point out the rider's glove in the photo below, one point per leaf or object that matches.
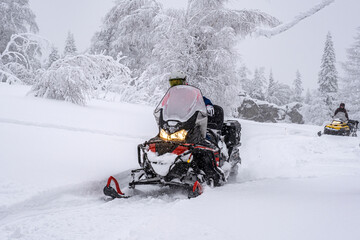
(210, 110)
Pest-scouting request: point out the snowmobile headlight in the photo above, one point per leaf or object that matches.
(177, 136)
(164, 135)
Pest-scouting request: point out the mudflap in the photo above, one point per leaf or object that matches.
(111, 192)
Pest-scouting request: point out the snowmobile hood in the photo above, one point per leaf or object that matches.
(337, 125)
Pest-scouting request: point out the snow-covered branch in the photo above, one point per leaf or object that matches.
(23, 55)
(76, 78)
(10, 78)
(286, 26)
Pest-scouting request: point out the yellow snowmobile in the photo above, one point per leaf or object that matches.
(339, 126)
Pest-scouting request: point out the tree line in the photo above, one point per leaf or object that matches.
(140, 43)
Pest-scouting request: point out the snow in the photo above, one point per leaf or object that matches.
(161, 164)
(286, 26)
(56, 157)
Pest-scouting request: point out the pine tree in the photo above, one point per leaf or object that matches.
(53, 57)
(308, 97)
(271, 87)
(351, 80)
(322, 105)
(298, 88)
(328, 75)
(70, 47)
(15, 17)
(259, 83)
(278, 93)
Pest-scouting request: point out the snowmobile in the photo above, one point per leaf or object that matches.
(191, 149)
(340, 126)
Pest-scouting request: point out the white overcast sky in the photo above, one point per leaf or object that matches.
(299, 48)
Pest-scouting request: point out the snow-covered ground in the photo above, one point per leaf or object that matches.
(55, 159)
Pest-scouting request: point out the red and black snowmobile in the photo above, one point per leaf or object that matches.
(191, 148)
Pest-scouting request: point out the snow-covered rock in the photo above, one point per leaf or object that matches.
(262, 111)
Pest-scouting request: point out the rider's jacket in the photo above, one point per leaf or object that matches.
(207, 101)
(342, 110)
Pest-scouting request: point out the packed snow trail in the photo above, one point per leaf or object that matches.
(291, 185)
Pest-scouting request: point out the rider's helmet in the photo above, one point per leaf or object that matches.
(342, 105)
(177, 78)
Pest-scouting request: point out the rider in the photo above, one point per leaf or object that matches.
(353, 125)
(179, 78)
(341, 108)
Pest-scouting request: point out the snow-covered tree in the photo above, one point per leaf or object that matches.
(298, 88)
(316, 112)
(308, 97)
(199, 40)
(273, 91)
(258, 84)
(271, 87)
(211, 32)
(76, 78)
(351, 80)
(282, 94)
(328, 75)
(243, 72)
(129, 30)
(22, 57)
(15, 17)
(70, 46)
(53, 57)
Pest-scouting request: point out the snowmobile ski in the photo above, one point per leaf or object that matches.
(111, 192)
(196, 190)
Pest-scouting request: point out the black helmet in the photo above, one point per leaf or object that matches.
(342, 105)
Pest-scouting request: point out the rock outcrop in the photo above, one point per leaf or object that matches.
(262, 111)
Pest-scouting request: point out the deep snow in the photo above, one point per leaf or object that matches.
(55, 158)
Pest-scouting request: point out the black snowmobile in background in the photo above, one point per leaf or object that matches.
(191, 148)
(341, 126)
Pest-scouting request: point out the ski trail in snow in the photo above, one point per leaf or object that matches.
(79, 197)
(69, 128)
(61, 199)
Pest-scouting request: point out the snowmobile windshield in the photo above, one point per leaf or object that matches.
(340, 116)
(180, 103)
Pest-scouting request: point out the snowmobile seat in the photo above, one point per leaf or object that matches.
(232, 132)
(216, 122)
